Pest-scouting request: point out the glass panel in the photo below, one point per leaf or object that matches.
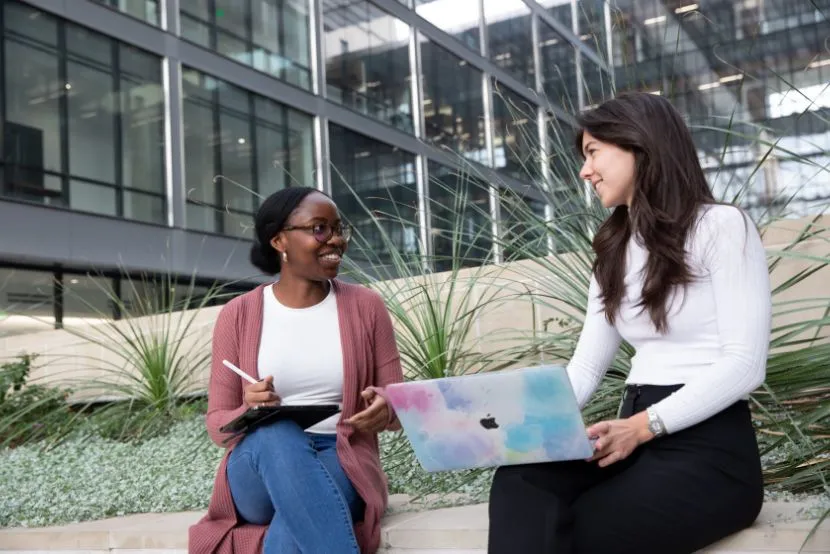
(195, 31)
(142, 128)
(87, 299)
(509, 38)
(367, 61)
(236, 163)
(558, 61)
(144, 207)
(33, 91)
(22, 20)
(384, 179)
(87, 197)
(460, 208)
(238, 224)
(88, 45)
(523, 230)
(91, 124)
(258, 154)
(26, 301)
(516, 135)
(231, 16)
(148, 10)
(269, 35)
(459, 18)
(199, 152)
(453, 106)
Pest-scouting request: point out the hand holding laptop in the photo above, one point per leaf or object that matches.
(374, 418)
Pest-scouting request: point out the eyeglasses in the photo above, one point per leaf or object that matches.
(322, 232)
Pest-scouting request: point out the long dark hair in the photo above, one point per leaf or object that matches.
(669, 189)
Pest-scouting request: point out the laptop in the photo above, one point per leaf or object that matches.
(492, 419)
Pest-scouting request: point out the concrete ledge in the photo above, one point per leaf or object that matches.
(461, 530)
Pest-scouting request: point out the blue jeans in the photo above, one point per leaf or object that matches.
(292, 481)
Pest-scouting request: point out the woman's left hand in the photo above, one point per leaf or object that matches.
(617, 438)
(374, 418)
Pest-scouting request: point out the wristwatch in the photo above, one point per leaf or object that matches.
(655, 424)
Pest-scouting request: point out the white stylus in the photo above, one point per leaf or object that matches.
(239, 372)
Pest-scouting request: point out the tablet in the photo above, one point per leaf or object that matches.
(304, 416)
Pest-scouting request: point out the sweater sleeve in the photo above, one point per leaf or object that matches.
(387, 357)
(598, 344)
(225, 388)
(732, 252)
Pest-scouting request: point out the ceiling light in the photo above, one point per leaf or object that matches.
(730, 78)
(240, 140)
(655, 20)
(818, 63)
(708, 86)
(73, 281)
(687, 8)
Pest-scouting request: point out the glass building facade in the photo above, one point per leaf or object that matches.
(141, 135)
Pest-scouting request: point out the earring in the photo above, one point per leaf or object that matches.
(285, 257)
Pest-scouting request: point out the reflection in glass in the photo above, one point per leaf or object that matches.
(459, 18)
(509, 37)
(523, 226)
(26, 301)
(558, 64)
(708, 54)
(461, 224)
(146, 10)
(383, 178)
(107, 144)
(516, 135)
(367, 61)
(453, 107)
(271, 36)
(239, 147)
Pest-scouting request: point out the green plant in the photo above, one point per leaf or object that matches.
(29, 412)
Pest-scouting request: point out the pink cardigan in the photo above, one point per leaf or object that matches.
(370, 358)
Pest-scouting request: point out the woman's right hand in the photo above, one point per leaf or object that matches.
(261, 393)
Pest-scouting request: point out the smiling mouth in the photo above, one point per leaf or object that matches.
(331, 257)
(595, 185)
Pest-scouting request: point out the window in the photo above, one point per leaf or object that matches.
(383, 178)
(509, 37)
(239, 148)
(523, 219)
(516, 135)
(558, 65)
(461, 223)
(459, 18)
(453, 107)
(84, 124)
(26, 301)
(271, 36)
(367, 61)
(146, 10)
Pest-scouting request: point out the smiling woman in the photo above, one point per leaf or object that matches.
(308, 339)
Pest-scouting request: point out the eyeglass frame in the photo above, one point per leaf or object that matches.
(345, 230)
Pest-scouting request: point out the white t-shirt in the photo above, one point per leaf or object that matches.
(719, 331)
(301, 348)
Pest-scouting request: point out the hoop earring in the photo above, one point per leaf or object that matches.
(285, 257)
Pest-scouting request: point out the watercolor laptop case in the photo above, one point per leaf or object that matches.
(491, 419)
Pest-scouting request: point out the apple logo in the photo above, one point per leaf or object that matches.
(489, 422)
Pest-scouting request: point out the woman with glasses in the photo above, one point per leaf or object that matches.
(306, 339)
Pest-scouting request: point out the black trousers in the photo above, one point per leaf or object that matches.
(673, 495)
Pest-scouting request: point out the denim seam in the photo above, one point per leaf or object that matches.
(343, 503)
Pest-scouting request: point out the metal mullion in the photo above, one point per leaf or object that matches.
(489, 137)
(421, 170)
(118, 124)
(217, 162)
(63, 110)
(58, 298)
(317, 54)
(580, 77)
(252, 144)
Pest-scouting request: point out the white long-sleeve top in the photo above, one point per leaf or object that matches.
(718, 331)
